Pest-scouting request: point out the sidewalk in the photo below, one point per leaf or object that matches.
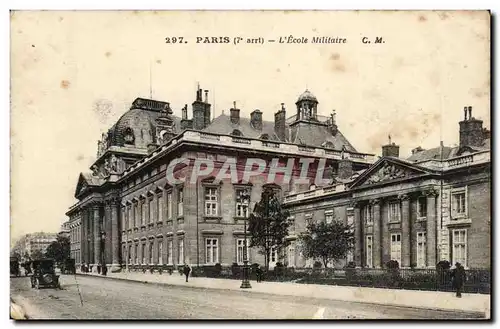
(393, 297)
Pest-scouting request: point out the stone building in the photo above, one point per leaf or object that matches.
(132, 209)
(29, 243)
(434, 205)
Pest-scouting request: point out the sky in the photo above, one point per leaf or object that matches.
(73, 74)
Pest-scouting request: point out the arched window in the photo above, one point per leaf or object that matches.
(128, 136)
(264, 136)
(236, 132)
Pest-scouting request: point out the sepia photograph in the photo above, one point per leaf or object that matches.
(250, 165)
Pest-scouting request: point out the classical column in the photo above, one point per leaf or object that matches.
(97, 233)
(115, 232)
(358, 255)
(377, 240)
(431, 227)
(405, 231)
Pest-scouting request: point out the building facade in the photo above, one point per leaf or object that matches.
(433, 206)
(160, 193)
(32, 242)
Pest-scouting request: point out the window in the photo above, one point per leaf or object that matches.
(240, 247)
(212, 251)
(160, 252)
(369, 251)
(211, 200)
(394, 212)
(459, 203)
(396, 247)
(460, 247)
(291, 255)
(273, 255)
(180, 243)
(350, 220)
(143, 253)
(143, 212)
(180, 202)
(151, 210)
(130, 217)
(422, 207)
(160, 201)
(169, 204)
(368, 214)
(137, 214)
(169, 252)
(241, 205)
(328, 216)
(236, 132)
(136, 253)
(312, 187)
(421, 249)
(308, 217)
(151, 258)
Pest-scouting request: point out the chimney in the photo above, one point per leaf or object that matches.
(185, 122)
(235, 114)
(280, 123)
(201, 110)
(471, 130)
(391, 149)
(208, 115)
(345, 169)
(333, 124)
(256, 119)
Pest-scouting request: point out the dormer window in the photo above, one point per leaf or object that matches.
(264, 137)
(128, 136)
(236, 132)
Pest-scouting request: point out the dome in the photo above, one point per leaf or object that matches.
(307, 96)
(135, 128)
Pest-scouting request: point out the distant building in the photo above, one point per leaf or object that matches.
(434, 205)
(26, 245)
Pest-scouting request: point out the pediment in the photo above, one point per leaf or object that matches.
(386, 170)
(85, 182)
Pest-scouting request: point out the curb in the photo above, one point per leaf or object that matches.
(482, 314)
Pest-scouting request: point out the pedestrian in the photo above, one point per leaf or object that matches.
(258, 272)
(458, 278)
(186, 271)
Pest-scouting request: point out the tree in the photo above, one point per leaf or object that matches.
(16, 254)
(327, 241)
(36, 254)
(59, 250)
(268, 225)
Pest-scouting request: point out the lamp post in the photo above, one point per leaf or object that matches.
(244, 198)
(103, 261)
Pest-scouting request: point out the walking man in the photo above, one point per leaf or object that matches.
(458, 277)
(186, 271)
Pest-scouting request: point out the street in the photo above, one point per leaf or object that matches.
(83, 297)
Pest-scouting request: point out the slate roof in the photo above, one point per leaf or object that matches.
(448, 152)
(223, 125)
(318, 135)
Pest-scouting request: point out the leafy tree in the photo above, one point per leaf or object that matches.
(268, 225)
(59, 250)
(36, 254)
(16, 254)
(328, 242)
